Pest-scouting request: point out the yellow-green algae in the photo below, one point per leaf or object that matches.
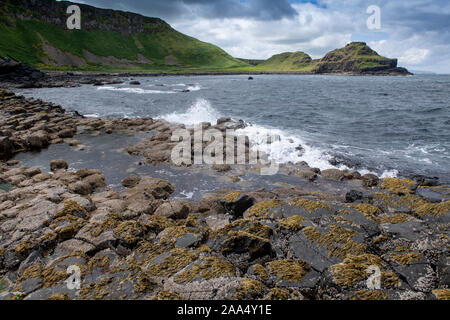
(278, 294)
(338, 241)
(177, 260)
(368, 210)
(309, 205)
(289, 270)
(398, 186)
(293, 223)
(71, 208)
(252, 227)
(369, 295)
(353, 269)
(432, 209)
(261, 209)
(249, 289)
(442, 294)
(144, 283)
(60, 297)
(231, 197)
(167, 295)
(208, 268)
(261, 272)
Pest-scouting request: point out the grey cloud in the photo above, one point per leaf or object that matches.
(173, 9)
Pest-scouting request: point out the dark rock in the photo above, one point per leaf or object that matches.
(6, 148)
(223, 120)
(135, 83)
(237, 208)
(370, 180)
(131, 181)
(353, 196)
(58, 164)
(424, 181)
(11, 260)
(186, 241)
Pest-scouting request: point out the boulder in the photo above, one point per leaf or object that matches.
(353, 196)
(174, 210)
(67, 133)
(130, 182)
(6, 148)
(333, 174)
(370, 180)
(96, 181)
(58, 164)
(81, 187)
(38, 140)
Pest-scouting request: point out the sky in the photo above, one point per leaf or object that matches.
(417, 32)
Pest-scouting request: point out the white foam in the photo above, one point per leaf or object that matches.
(93, 115)
(285, 149)
(134, 90)
(200, 111)
(194, 87)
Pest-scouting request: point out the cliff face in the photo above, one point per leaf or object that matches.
(126, 23)
(35, 32)
(357, 57)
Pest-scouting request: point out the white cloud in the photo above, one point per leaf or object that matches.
(411, 36)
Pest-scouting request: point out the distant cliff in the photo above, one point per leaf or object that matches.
(355, 58)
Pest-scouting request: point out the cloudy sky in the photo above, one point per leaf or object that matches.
(415, 31)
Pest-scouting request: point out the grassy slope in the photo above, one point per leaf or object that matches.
(20, 41)
(300, 62)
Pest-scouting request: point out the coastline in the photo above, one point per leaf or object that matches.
(309, 235)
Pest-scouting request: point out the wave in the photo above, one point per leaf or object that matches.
(287, 148)
(200, 111)
(283, 150)
(134, 90)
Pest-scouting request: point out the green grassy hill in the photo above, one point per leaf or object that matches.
(356, 57)
(36, 35)
(288, 61)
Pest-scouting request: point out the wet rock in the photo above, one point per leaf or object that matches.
(238, 207)
(174, 209)
(223, 120)
(333, 174)
(67, 133)
(31, 172)
(307, 174)
(131, 181)
(370, 180)
(96, 181)
(38, 140)
(221, 167)
(6, 148)
(11, 260)
(187, 240)
(353, 196)
(58, 164)
(424, 181)
(135, 83)
(81, 187)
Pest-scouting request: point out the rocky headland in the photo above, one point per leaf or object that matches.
(318, 237)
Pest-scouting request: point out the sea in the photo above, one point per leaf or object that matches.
(387, 125)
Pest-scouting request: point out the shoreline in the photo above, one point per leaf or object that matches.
(309, 237)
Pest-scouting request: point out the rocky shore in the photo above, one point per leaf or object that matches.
(321, 236)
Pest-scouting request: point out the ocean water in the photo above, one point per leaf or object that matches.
(391, 126)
